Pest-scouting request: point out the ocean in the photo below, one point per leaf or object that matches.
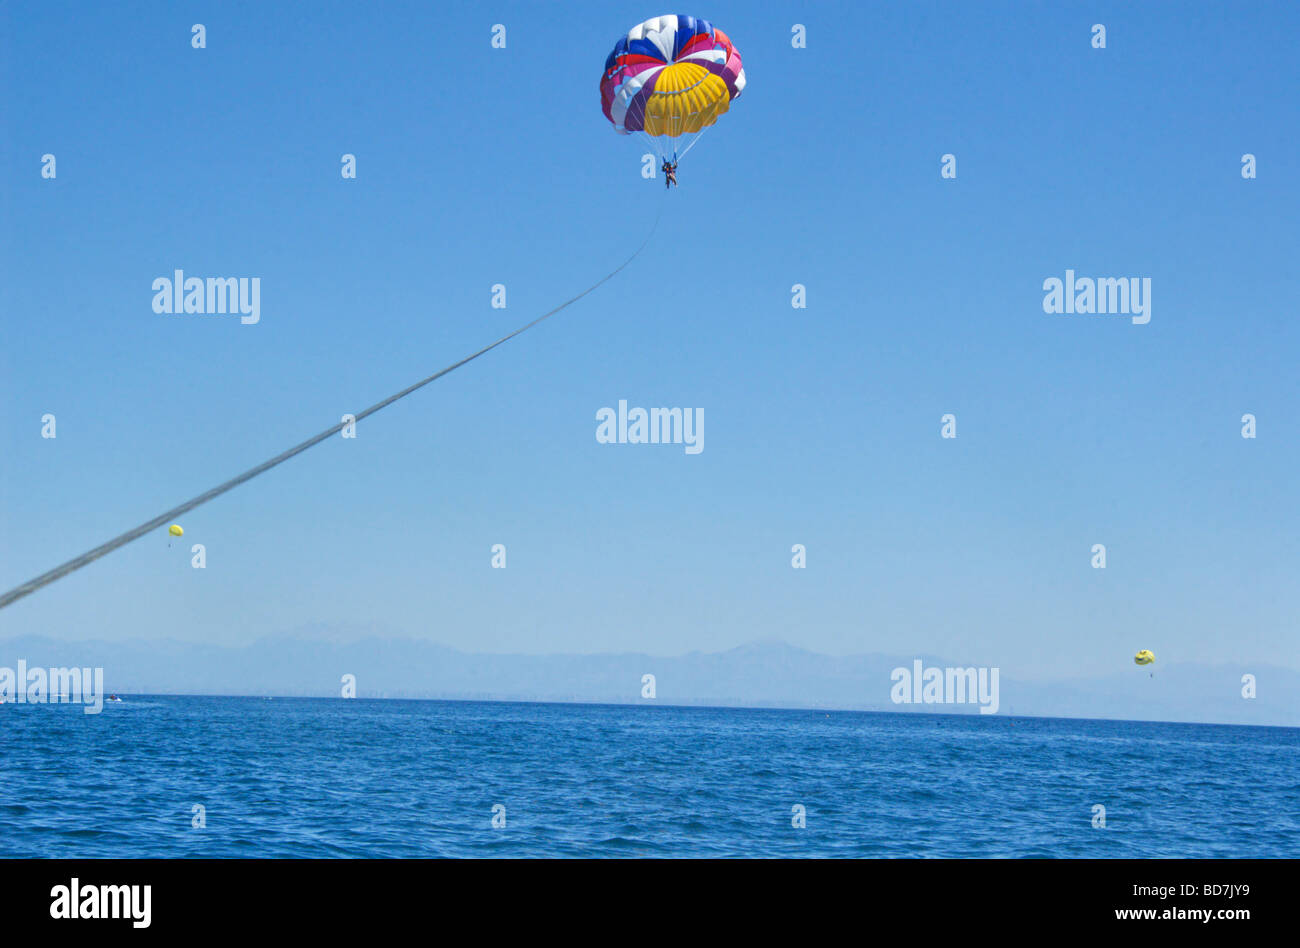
(172, 776)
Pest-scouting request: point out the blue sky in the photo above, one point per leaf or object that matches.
(479, 166)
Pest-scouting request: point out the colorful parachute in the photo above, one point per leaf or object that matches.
(175, 530)
(668, 80)
(1144, 657)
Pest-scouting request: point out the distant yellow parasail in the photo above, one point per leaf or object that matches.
(175, 530)
(1144, 657)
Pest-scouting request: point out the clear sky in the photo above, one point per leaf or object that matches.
(479, 166)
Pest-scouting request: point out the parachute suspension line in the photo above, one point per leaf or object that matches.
(654, 148)
(135, 533)
(698, 136)
(648, 139)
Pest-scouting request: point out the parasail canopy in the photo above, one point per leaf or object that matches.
(668, 80)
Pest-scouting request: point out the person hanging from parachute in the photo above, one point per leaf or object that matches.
(669, 80)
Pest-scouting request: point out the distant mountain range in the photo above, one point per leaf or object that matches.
(763, 674)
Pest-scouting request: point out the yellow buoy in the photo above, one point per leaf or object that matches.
(175, 530)
(1144, 657)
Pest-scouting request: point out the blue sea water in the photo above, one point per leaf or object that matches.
(371, 778)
